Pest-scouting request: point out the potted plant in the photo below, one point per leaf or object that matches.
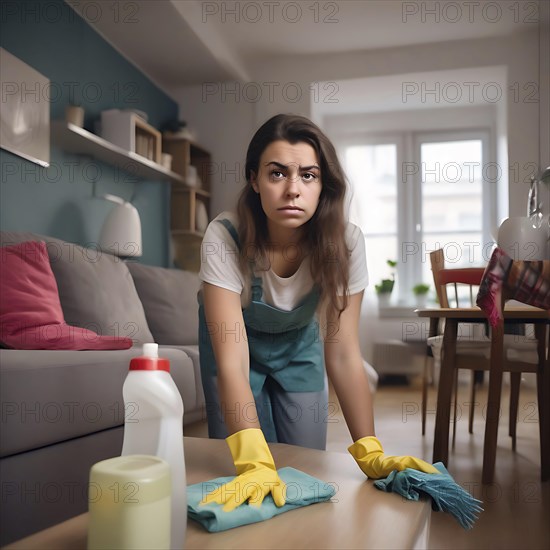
(420, 291)
(385, 288)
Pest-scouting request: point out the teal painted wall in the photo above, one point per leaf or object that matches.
(85, 69)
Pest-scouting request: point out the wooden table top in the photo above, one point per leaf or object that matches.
(523, 313)
(358, 516)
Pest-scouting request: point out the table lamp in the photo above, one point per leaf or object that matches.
(121, 231)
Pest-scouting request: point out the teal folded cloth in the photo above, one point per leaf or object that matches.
(301, 490)
(446, 494)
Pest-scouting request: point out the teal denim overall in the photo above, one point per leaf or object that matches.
(286, 352)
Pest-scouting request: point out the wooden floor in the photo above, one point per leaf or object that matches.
(517, 504)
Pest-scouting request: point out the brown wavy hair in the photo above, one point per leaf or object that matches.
(324, 233)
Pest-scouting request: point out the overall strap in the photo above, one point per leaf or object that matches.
(232, 231)
(256, 282)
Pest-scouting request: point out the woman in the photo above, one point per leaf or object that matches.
(278, 273)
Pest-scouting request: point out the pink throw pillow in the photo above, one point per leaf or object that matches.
(30, 311)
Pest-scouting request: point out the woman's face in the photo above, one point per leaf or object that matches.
(289, 184)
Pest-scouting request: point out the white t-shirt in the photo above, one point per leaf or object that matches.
(220, 267)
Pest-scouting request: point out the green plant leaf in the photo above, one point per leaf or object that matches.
(420, 289)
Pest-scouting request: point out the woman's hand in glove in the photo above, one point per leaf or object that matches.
(370, 457)
(256, 473)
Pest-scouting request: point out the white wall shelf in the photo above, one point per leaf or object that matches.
(74, 139)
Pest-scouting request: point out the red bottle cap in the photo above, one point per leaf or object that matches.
(150, 363)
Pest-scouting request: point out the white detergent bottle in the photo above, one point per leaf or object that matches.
(153, 425)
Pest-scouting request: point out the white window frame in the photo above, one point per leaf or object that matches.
(409, 198)
(379, 138)
(413, 270)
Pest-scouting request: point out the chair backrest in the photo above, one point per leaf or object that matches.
(469, 276)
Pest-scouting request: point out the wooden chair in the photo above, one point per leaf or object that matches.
(473, 352)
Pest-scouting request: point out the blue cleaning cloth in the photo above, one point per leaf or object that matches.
(446, 494)
(301, 490)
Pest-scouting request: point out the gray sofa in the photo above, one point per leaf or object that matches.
(62, 411)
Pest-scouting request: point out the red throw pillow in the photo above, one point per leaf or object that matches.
(30, 311)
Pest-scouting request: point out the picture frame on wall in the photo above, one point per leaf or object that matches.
(24, 110)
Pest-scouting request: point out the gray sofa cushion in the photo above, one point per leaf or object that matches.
(52, 396)
(199, 413)
(96, 289)
(169, 297)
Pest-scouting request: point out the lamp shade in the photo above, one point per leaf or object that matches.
(121, 231)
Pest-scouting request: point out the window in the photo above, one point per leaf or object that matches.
(372, 169)
(415, 192)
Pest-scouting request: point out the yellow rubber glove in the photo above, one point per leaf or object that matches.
(370, 457)
(256, 473)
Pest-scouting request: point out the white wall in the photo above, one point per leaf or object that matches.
(519, 53)
(227, 114)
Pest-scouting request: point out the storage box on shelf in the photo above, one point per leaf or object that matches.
(190, 202)
(129, 131)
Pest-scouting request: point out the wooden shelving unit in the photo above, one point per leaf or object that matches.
(184, 206)
(74, 139)
(189, 217)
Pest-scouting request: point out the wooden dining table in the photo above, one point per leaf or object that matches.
(512, 314)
